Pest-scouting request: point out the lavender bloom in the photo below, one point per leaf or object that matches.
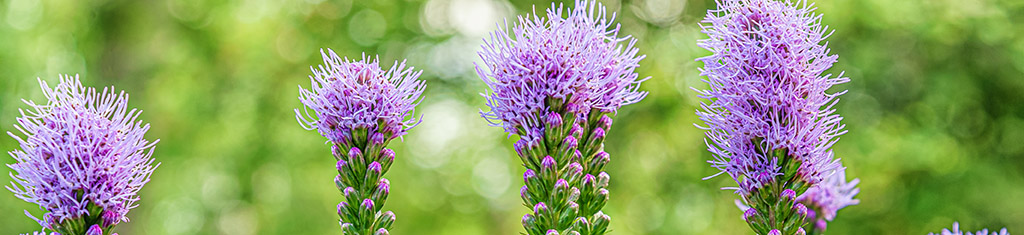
(83, 157)
(347, 95)
(544, 62)
(828, 196)
(766, 85)
(956, 231)
(360, 108)
(769, 120)
(554, 82)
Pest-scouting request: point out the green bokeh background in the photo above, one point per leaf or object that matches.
(935, 112)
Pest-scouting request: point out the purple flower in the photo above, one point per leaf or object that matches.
(767, 91)
(346, 95)
(768, 116)
(956, 231)
(554, 82)
(359, 108)
(832, 194)
(83, 157)
(576, 60)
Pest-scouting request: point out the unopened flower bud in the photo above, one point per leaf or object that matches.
(524, 193)
(377, 138)
(342, 208)
(554, 120)
(367, 205)
(387, 157)
(381, 232)
(339, 182)
(528, 176)
(601, 222)
(751, 212)
(575, 170)
(349, 192)
(574, 193)
(94, 230)
(582, 222)
(380, 193)
(386, 219)
(520, 147)
(775, 232)
(355, 156)
(600, 160)
(373, 172)
(348, 228)
(606, 122)
(367, 209)
(576, 130)
(602, 198)
(573, 207)
(529, 221)
(589, 181)
(561, 184)
(540, 209)
(561, 188)
(548, 167)
(788, 195)
(110, 218)
(570, 142)
(336, 151)
(800, 210)
(598, 135)
(602, 179)
(341, 165)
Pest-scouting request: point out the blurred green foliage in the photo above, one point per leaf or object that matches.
(935, 112)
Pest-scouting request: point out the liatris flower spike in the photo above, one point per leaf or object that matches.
(83, 158)
(826, 198)
(769, 120)
(956, 231)
(555, 83)
(360, 108)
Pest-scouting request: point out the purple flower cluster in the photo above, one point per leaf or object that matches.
(768, 115)
(540, 62)
(767, 91)
(555, 82)
(346, 95)
(83, 157)
(956, 231)
(360, 108)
